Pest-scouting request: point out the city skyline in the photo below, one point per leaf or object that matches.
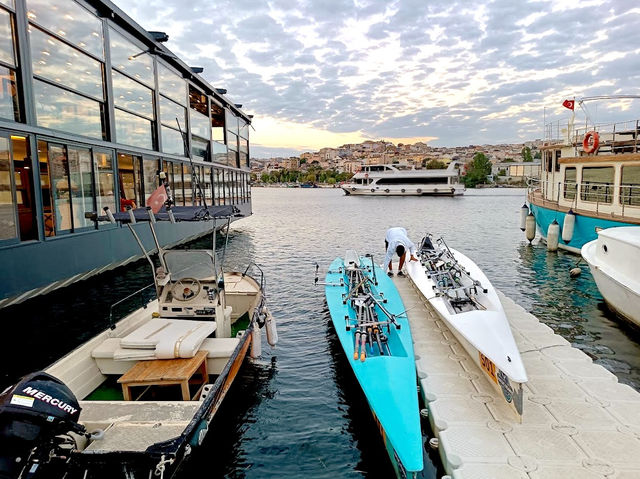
(448, 73)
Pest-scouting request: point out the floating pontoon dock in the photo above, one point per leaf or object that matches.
(578, 421)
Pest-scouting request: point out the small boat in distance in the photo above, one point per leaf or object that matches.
(137, 398)
(613, 259)
(369, 319)
(394, 180)
(467, 302)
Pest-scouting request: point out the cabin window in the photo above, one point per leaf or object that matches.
(228, 182)
(130, 181)
(8, 225)
(630, 186)
(9, 104)
(570, 182)
(150, 169)
(130, 58)
(199, 114)
(548, 160)
(558, 155)
(199, 149)
(597, 184)
(218, 187)
(23, 177)
(172, 85)
(81, 185)
(133, 130)
(170, 111)
(105, 181)
(187, 184)
(133, 112)
(178, 192)
(207, 186)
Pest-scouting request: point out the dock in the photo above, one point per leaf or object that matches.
(578, 422)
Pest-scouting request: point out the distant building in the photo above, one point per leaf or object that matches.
(515, 171)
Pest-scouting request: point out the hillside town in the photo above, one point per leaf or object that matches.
(511, 163)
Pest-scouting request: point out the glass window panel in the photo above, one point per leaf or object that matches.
(131, 95)
(65, 65)
(207, 186)
(69, 20)
(133, 130)
(6, 39)
(199, 149)
(172, 141)
(9, 104)
(126, 57)
(169, 111)
(200, 124)
(217, 122)
(130, 182)
(81, 188)
(228, 183)
(630, 186)
(231, 122)
(218, 188)
(105, 181)
(178, 193)
(220, 152)
(186, 181)
(8, 225)
(45, 186)
(59, 173)
(8, 3)
(62, 110)
(172, 85)
(243, 128)
(597, 184)
(570, 182)
(198, 101)
(150, 177)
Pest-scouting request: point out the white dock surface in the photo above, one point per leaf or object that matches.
(578, 421)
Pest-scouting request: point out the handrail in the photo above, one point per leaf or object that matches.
(262, 280)
(142, 303)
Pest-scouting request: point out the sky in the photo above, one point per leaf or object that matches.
(451, 73)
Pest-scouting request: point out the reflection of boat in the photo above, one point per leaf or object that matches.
(91, 126)
(590, 179)
(467, 302)
(613, 259)
(367, 313)
(391, 180)
(150, 385)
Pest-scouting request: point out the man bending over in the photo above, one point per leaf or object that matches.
(397, 241)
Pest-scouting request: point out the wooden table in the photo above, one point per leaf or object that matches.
(166, 372)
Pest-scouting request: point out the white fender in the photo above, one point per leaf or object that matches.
(524, 211)
(568, 226)
(272, 332)
(256, 341)
(530, 228)
(553, 233)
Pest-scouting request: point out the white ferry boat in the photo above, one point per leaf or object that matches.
(590, 180)
(390, 180)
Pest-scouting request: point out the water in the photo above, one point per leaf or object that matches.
(298, 410)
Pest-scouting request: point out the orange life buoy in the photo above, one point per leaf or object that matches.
(591, 142)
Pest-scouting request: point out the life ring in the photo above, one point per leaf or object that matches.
(353, 188)
(419, 190)
(591, 142)
(402, 190)
(387, 190)
(373, 190)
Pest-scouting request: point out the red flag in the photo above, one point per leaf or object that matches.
(569, 104)
(157, 198)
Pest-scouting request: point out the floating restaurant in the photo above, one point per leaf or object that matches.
(93, 108)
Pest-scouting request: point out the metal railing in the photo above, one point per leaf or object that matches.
(141, 301)
(618, 137)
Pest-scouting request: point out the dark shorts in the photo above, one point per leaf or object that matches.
(386, 245)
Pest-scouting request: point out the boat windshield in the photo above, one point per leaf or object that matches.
(190, 264)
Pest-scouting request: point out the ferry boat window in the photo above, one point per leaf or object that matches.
(244, 152)
(171, 139)
(129, 179)
(228, 182)
(60, 186)
(8, 225)
(570, 182)
(69, 20)
(81, 186)
(199, 114)
(199, 149)
(133, 130)
(105, 180)
(9, 104)
(8, 3)
(207, 186)
(218, 187)
(231, 122)
(597, 184)
(630, 185)
(217, 122)
(558, 155)
(548, 157)
(150, 179)
(188, 189)
(130, 59)
(172, 85)
(23, 177)
(178, 193)
(45, 187)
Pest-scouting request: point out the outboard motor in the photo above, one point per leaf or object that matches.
(32, 413)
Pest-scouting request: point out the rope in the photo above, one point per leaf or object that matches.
(161, 466)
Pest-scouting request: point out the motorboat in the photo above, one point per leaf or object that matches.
(466, 301)
(139, 397)
(613, 259)
(369, 318)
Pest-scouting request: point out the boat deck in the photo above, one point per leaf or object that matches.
(578, 421)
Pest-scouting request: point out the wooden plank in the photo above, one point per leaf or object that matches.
(164, 369)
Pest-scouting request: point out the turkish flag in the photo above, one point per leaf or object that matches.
(569, 104)
(157, 198)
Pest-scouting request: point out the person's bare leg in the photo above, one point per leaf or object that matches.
(401, 264)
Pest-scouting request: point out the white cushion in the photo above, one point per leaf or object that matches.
(187, 343)
(219, 347)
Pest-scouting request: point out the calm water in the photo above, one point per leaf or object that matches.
(298, 410)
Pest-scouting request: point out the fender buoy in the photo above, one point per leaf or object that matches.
(402, 190)
(419, 190)
(353, 188)
(372, 190)
(591, 142)
(386, 190)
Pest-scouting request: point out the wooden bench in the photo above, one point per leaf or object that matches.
(166, 372)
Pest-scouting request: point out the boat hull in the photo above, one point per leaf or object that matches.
(484, 334)
(584, 228)
(388, 382)
(404, 190)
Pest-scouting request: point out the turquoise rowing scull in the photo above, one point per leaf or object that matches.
(369, 319)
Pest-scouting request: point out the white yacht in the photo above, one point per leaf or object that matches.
(394, 180)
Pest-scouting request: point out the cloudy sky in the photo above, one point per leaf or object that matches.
(328, 72)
